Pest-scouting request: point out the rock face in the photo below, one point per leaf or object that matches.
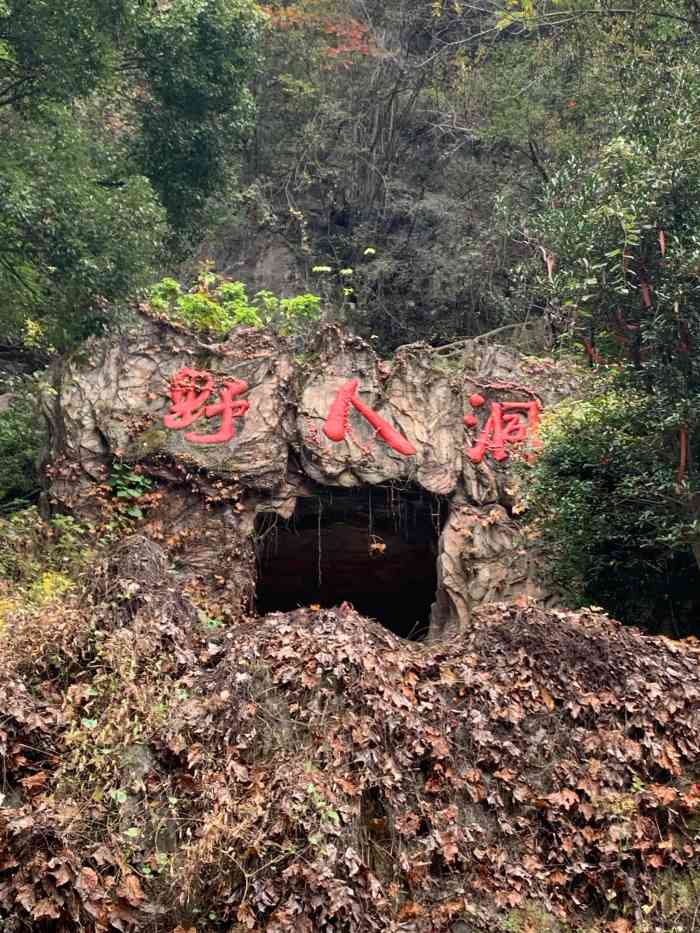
(247, 443)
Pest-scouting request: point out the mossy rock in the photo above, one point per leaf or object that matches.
(150, 442)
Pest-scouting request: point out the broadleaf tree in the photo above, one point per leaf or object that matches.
(615, 240)
(117, 121)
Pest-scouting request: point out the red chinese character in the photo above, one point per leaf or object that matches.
(190, 390)
(508, 423)
(336, 425)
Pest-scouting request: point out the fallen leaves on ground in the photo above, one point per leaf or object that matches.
(324, 775)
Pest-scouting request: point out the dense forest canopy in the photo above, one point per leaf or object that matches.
(434, 169)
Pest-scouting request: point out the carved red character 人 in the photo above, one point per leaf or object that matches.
(336, 424)
(190, 390)
(508, 423)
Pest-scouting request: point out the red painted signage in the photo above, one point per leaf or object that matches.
(190, 390)
(336, 425)
(508, 423)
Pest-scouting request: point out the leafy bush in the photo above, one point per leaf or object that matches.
(129, 486)
(218, 305)
(287, 315)
(116, 116)
(21, 438)
(606, 497)
(39, 558)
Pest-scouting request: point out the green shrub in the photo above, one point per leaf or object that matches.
(74, 251)
(128, 485)
(216, 305)
(21, 438)
(287, 315)
(605, 496)
(37, 556)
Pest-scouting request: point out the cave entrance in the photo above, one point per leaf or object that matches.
(374, 547)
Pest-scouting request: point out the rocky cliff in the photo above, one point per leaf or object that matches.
(328, 474)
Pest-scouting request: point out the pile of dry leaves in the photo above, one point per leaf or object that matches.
(312, 772)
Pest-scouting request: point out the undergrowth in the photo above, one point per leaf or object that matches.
(35, 556)
(310, 772)
(21, 438)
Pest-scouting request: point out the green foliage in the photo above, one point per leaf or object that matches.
(58, 51)
(197, 58)
(615, 255)
(288, 315)
(605, 497)
(69, 247)
(111, 115)
(198, 310)
(128, 484)
(217, 305)
(22, 435)
(624, 234)
(31, 549)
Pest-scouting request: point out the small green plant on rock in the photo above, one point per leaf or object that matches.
(287, 315)
(129, 485)
(217, 305)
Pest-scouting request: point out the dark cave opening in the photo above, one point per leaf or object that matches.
(374, 547)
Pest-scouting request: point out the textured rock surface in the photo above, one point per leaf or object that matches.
(110, 402)
(410, 392)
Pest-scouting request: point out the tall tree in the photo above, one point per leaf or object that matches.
(110, 112)
(614, 237)
(194, 107)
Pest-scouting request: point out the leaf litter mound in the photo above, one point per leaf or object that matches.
(312, 772)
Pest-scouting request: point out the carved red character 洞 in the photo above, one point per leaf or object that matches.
(190, 390)
(508, 423)
(336, 424)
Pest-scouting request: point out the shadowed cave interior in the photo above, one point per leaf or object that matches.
(374, 547)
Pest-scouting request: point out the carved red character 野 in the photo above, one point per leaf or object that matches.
(508, 423)
(190, 390)
(336, 425)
